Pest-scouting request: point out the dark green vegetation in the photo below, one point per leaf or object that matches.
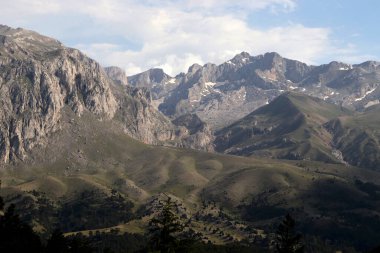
(16, 236)
(287, 239)
(166, 229)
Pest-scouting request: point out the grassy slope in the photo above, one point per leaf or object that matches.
(89, 154)
(358, 137)
(290, 127)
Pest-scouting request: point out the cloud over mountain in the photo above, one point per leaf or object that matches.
(171, 34)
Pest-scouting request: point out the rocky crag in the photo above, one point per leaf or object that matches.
(39, 77)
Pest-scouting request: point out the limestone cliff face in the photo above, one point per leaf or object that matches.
(140, 119)
(117, 75)
(38, 77)
(143, 122)
(194, 133)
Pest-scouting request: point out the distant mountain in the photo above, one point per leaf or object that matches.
(222, 94)
(117, 75)
(290, 127)
(155, 80)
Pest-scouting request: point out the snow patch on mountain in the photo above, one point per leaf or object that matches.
(366, 94)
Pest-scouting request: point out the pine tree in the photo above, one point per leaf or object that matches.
(165, 228)
(287, 239)
(16, 236)
(57, 243)
(1, 204)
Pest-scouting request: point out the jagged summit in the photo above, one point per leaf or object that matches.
(194, 68)
(222, 94)
(117, 74)
(18, 42)
(149, 78)
(240, 58)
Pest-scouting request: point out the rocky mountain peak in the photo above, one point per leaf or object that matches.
(22, 43)
(369, 65)
(335, 65)
(38, 78)
(241, 58)
(157, 75)
(149, 78)
(156, 80)
(117, 75)
(194, 68)
(273, 58)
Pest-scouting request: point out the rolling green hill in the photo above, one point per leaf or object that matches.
(290, 127)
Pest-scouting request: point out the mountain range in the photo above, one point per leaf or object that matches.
(222, 94)
(237, 145)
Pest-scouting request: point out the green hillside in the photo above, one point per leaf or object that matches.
(88, 163)
(358, 137)
(290, 127)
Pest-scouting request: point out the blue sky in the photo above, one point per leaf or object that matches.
(173, 34)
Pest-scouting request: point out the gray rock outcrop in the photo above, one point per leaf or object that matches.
(38, 77)
(117, 75)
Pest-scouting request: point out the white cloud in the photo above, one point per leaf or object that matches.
(351, 54)
(280, 5)
(174, 39)
(174, 34)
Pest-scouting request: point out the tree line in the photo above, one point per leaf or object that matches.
(166, 234)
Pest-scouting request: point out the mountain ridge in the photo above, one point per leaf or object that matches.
(291, 124)
(222, 94)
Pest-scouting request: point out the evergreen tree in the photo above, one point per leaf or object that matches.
(57, 243)
(165, 228)
(79, 244)
(16, 236)
(287, 239)
(1, 204)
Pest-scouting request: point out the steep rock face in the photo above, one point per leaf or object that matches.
(155, 80)
(194, 133)
(141, 121)
(117, 75)
(38, 77)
